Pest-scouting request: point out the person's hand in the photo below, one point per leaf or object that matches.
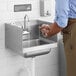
(45, 29)
(50, 30)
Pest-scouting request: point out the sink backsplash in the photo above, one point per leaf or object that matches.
(33, 28)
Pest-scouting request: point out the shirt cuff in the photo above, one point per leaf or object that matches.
(62, 22)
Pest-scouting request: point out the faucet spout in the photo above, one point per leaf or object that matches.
(26, 20)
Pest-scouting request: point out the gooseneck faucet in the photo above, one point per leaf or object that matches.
(26, 20)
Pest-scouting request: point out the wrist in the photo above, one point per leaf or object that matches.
(54, 29)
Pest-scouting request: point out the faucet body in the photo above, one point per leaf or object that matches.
(26, 20)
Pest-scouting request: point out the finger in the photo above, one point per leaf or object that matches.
(41, 27)
(48, 27)
(45, 35)
(44, 26)
(44, 31)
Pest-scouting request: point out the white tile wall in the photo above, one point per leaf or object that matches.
(12, 64)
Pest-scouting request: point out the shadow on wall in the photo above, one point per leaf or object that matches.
(62, 59)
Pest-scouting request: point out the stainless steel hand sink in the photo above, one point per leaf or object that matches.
(28, 43)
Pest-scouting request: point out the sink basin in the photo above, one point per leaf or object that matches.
(37, 47)
(35, 42)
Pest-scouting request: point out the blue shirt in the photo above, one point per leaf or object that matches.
(65, 9)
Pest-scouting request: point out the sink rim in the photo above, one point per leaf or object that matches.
(40, 47)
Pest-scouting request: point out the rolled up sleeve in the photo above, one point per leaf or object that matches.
(62, 11)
